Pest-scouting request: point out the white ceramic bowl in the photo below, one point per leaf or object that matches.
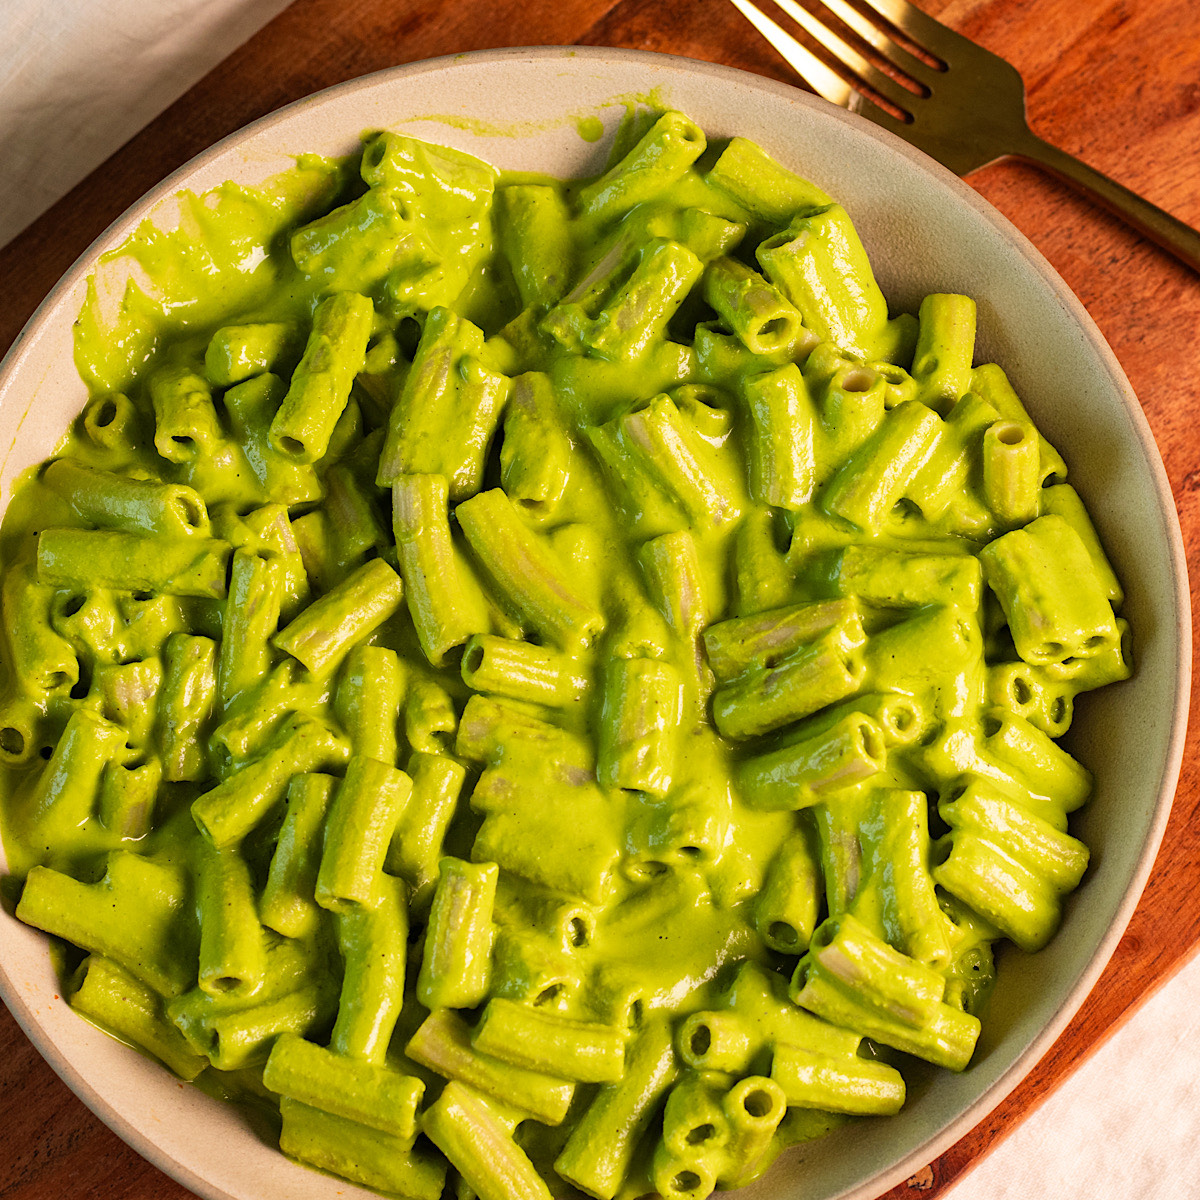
(925, 232)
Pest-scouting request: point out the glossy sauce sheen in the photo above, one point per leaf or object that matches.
(636, 894)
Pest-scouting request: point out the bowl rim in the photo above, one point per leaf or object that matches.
(941, 1140)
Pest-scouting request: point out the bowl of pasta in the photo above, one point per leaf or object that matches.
(619, 633)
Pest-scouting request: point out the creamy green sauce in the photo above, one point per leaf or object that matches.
(226, 261)
(163, 284)
(674, 921)
(591, 128)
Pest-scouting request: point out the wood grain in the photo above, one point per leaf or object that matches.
(1101, 85)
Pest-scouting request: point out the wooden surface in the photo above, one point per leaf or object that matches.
(1115, 81)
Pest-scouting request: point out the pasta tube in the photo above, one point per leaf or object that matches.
(456, 965)
(87, 558)
(373, 940)
(358, 831)
(666, 150)
(443, 421)
(798, 776)
(320, 387)
(288, 903)
(753, 308)
(123, 502)
(1056, 603)
(782, 447)
(945, 348)
(639, 725)
(329, 627)
(358, 1091)
(443, 600)
(542, 1040)
(524, 569)
(464, 1127)
(227, 812)
(597, 1155)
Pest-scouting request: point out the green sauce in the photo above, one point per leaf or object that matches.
(670, 884)
(591, 129)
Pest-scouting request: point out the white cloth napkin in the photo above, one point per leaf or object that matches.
(79, 77)
(1125, 1125)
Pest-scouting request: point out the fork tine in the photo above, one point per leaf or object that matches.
(870, 33)
(920, 28)
(848, 56)
(826, 83)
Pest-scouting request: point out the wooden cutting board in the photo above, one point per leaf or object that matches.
(1101, 84)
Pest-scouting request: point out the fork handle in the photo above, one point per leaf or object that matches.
(1160, 227)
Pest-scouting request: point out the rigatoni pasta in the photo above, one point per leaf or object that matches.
(561, 688)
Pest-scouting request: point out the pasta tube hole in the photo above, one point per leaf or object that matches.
(857, 379)
(772, 334)
(870, 740)
(292, 447)
(535, 508)
(700, 1040)
(758, 1103)
(824, 934)
(1009, 433)
(548, 996)
(70, 605)
(213, 1049)
(705, 407)
(783, 933)
(105, 418)
(646, 869)
(473, 659)
(957, 792)
(701, 1134)
(901, 716)
(373, 154)
(18, 730)
(685, 1181)
(577, 932)
(191, 511)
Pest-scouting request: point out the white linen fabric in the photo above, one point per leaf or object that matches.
(79, 77)
(1126, 1124)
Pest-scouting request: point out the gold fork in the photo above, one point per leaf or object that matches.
(956, 101)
